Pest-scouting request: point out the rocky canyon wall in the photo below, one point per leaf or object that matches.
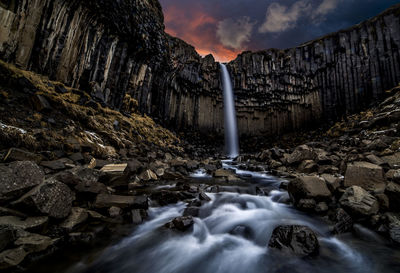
(111, 48)
(103, 46)
(322, 80)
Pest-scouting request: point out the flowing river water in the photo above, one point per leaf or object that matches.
(231, 235)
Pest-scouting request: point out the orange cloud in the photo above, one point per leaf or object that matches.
(198, 29)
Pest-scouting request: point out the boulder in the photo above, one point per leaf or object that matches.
(308, 166)
(165, 197)
(51, 198)
(298, 240)
(148, 175)
(114, 169)
(182, 223)
(108, 200)
(55, 165)
(75, 218)
(342, 221)
(223, 173)
(30, 223)
(77, 157)
(383, 200)
(114, 212)
(171, 175)
(134, 167)
(393, 226)
(306, 204)
(308, 187)
(359, 202)
(12, 257)
(332, 182)
(138, 216)
(375, 160)
(321, 207)
(300, 154)
(392, 160)
(15, 154)
(33, 243)
(393, 193)
(18, 178)
(396, 176)
(366, 175)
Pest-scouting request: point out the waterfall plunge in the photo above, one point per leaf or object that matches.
(231, 132)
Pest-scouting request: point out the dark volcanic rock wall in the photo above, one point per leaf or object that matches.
(191, 91)
(111, 48)
(114, 47)
(99, 45)
(321, 80)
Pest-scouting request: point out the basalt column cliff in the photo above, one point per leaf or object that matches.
(113, 48)
(324, 79)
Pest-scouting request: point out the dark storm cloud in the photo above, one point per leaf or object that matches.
(227, 27)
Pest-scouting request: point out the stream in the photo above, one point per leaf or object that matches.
(231, 234)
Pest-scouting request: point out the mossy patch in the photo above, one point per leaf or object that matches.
(76, 107)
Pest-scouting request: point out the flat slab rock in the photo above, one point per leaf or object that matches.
(114, 168)
(51, 198)
(18, 178)
(298, 240)
(25, 224)
(120, 201)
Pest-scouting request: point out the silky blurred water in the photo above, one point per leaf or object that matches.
(231, 234)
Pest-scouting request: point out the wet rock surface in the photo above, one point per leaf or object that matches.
(299, 240)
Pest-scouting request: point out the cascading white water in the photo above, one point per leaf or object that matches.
(231, 132)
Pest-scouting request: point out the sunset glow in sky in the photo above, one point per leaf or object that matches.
(225, 28)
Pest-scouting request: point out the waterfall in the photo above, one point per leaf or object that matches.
(231, 132)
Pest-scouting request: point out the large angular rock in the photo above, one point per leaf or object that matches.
(366, 175)
(359, 202)
(30, 223)
(134, 167)
(342, 221)
(15, 154)
(392, 160)
(51, 198)
(76, 217)
(55, 165)
(138, 216)
(18, 178)
(108, 200)
(308, 166)
(148, 175)
(33, 243)
(222, 173)
(12, 257)
(298, 240)
(115, 169)
(182, 223)
(393, 193)
(309, 187)
(300, 154)
(393, 226)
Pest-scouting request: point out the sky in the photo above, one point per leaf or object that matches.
(225, 28)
